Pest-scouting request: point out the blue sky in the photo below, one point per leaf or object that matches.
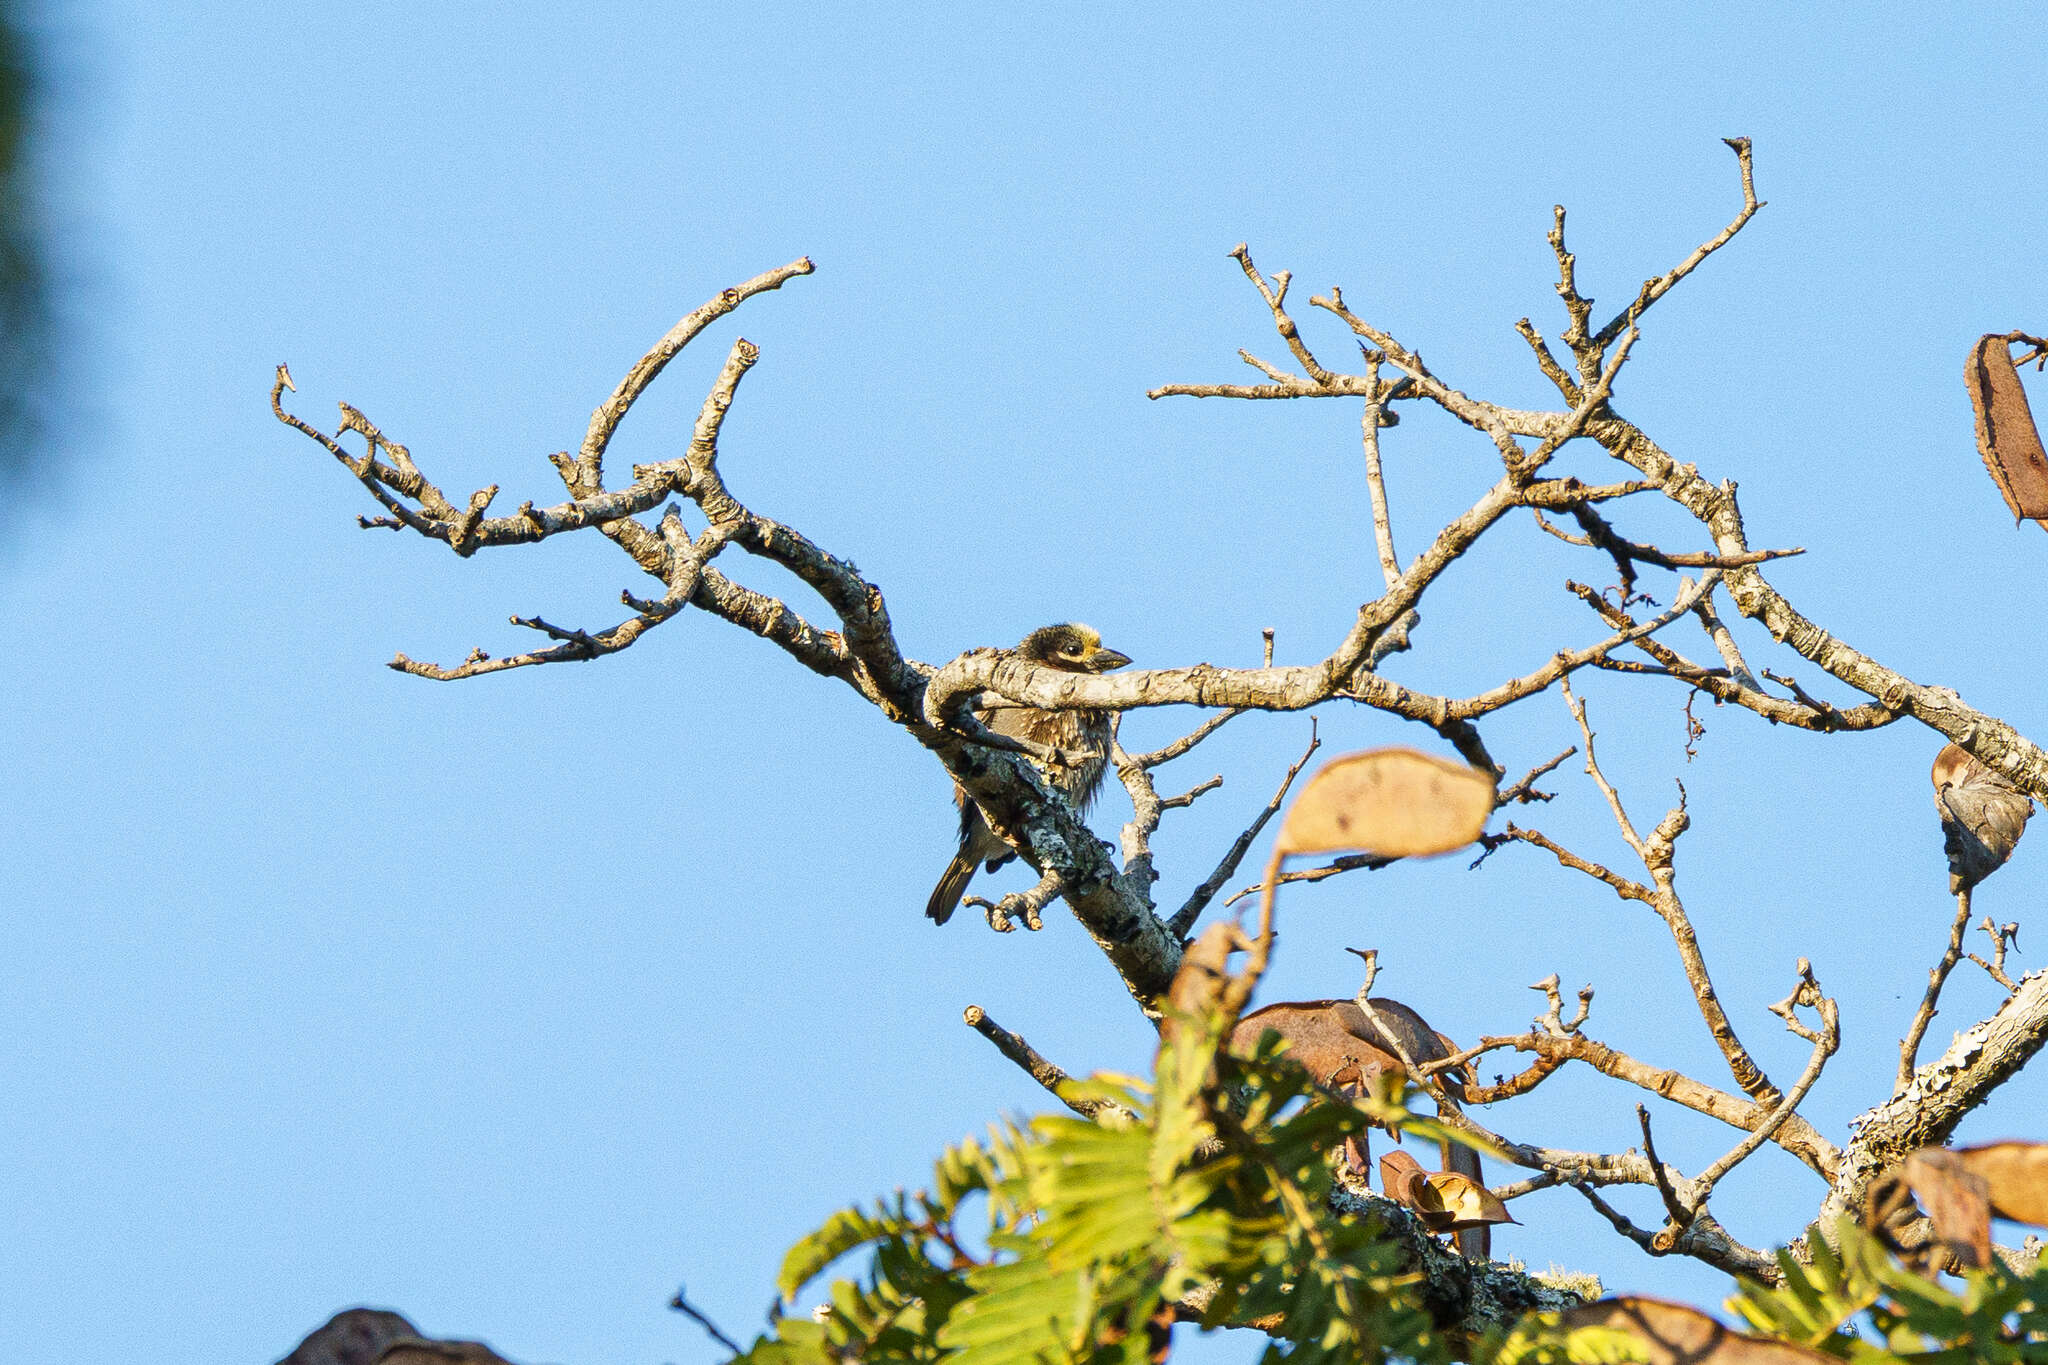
(512, 1004)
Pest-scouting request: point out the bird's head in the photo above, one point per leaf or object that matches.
(1071, 647)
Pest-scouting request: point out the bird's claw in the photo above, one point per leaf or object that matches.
(1002, 915)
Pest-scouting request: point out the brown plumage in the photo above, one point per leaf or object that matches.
(1340, 1046)
(1982, 816)
(1071, 648)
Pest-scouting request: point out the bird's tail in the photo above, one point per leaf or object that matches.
(946, 895)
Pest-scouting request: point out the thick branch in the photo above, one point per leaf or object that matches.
(1978, 733)
(1294, 688)
(1982, 1058)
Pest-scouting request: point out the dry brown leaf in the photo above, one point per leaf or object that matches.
(1676, 1335)
(1957, 1201)
(2006, 435)
(1982, 814)
(354, 1336)
(418, 1351)
(1330, 1039)
(1445, 1201)
(2016, 1174)
(1466, 1202)
(1199, 984)
(1323, 1035)
(1399, 803)
(1337, 1043)
(1403, 1180)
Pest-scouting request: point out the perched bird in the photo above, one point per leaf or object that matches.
(1344, 1048)
(1982, 816)
(1071, 648)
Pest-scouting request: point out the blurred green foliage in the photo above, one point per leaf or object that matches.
(24, 277)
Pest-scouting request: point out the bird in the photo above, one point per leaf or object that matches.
(1344, 1048)
(1071, 648)
(1982, 816)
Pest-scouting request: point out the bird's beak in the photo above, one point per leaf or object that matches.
(1103, 660)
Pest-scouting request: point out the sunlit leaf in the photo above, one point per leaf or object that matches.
(843, 1231)
(2017, 1176)
(1395, 802)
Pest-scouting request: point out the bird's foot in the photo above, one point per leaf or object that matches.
(1003, 914)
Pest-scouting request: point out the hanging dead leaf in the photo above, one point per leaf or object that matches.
(1982, 814)
(1445, 1201)
(1466, 1202)
(1676, 1335)
(2006, 435)
(1957, 1201)
(1400, 803)
(2016, 1174)
(1403, 1180)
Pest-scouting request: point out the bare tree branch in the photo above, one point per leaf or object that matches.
(1375, 416)
(1524, 788)
(1825, 1044)
(1656, 289)
(1909, 1047)
(1110, 891)
(1183, 921)
(1057, 1083)
(1943, 1091)
(2002, 936)
(605, 420)
(1028, 906)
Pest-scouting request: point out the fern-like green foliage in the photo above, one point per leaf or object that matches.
(1539, 1340)
(1072, 1241)
(1856, 1303)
